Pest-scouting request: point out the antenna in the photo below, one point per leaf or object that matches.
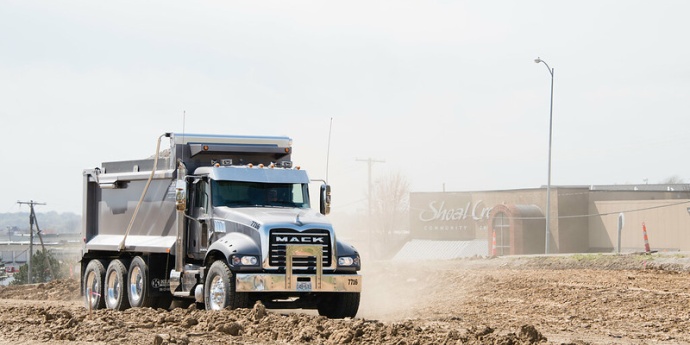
(328, 150)
(184, 117)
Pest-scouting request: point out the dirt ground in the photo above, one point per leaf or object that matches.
(576, 299)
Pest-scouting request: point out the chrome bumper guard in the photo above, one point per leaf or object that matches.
(299, 282)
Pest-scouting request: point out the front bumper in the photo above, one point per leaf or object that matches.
(267, 282)
(299, 282)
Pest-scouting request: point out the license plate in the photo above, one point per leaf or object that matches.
(303, 286)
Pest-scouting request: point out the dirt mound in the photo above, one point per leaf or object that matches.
(578, 299)
(187, 326)
(673, 262)
(57, 290)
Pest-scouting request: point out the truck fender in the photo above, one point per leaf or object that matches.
(345, 249)
(232, 243)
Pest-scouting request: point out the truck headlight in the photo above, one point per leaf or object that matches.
(244, 260)
(348, 261)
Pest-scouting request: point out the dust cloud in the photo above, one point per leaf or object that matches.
(396, 291)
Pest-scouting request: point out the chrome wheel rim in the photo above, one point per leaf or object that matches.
(136, 285)
(92, 288)
(113, 288)
(217, 293)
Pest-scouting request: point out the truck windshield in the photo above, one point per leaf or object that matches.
(244, 194)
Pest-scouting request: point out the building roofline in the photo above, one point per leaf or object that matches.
(677, 187)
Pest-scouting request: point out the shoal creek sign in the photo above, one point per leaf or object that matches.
(448, 216)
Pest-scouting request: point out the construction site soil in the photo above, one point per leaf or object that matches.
(574, 299)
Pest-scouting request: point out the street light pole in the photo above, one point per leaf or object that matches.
(548, 183)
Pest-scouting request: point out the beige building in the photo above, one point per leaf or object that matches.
(583, 218)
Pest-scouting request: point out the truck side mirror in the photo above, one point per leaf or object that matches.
(325, 196)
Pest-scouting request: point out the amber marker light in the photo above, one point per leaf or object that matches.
(205, 147)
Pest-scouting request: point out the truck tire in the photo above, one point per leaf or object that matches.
(139, 291)
(115, 286)
(94, 275)
(339, 305)
(219, 289)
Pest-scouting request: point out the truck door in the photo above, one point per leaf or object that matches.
(197, 242)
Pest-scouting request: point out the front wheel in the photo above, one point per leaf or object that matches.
(339, 305)
(219, 289)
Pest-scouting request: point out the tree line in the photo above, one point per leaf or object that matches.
(48, 222)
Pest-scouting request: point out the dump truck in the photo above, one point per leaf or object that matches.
(222, 221)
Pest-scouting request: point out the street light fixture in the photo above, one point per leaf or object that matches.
(548, 184)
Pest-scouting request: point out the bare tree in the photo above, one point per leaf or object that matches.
(675, 179)
(390, 212)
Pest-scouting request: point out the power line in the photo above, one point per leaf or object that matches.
(596, 214)
(610, 213)
(370, 161)
(626, 211)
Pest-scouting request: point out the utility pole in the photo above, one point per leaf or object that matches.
(32, 221)
(370, 161)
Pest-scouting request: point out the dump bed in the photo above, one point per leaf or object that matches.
(112, 192)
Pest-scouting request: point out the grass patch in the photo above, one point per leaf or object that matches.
(587, 257)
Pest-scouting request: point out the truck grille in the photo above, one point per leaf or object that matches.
(280, 238)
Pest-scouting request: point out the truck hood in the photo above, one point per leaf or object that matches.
(259, 216)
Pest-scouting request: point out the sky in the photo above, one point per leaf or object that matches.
(444, 93)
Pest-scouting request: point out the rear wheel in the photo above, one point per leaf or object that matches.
(339, 305)
(94, 275)
(115, 283)
(219, 289)
(139, 291)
